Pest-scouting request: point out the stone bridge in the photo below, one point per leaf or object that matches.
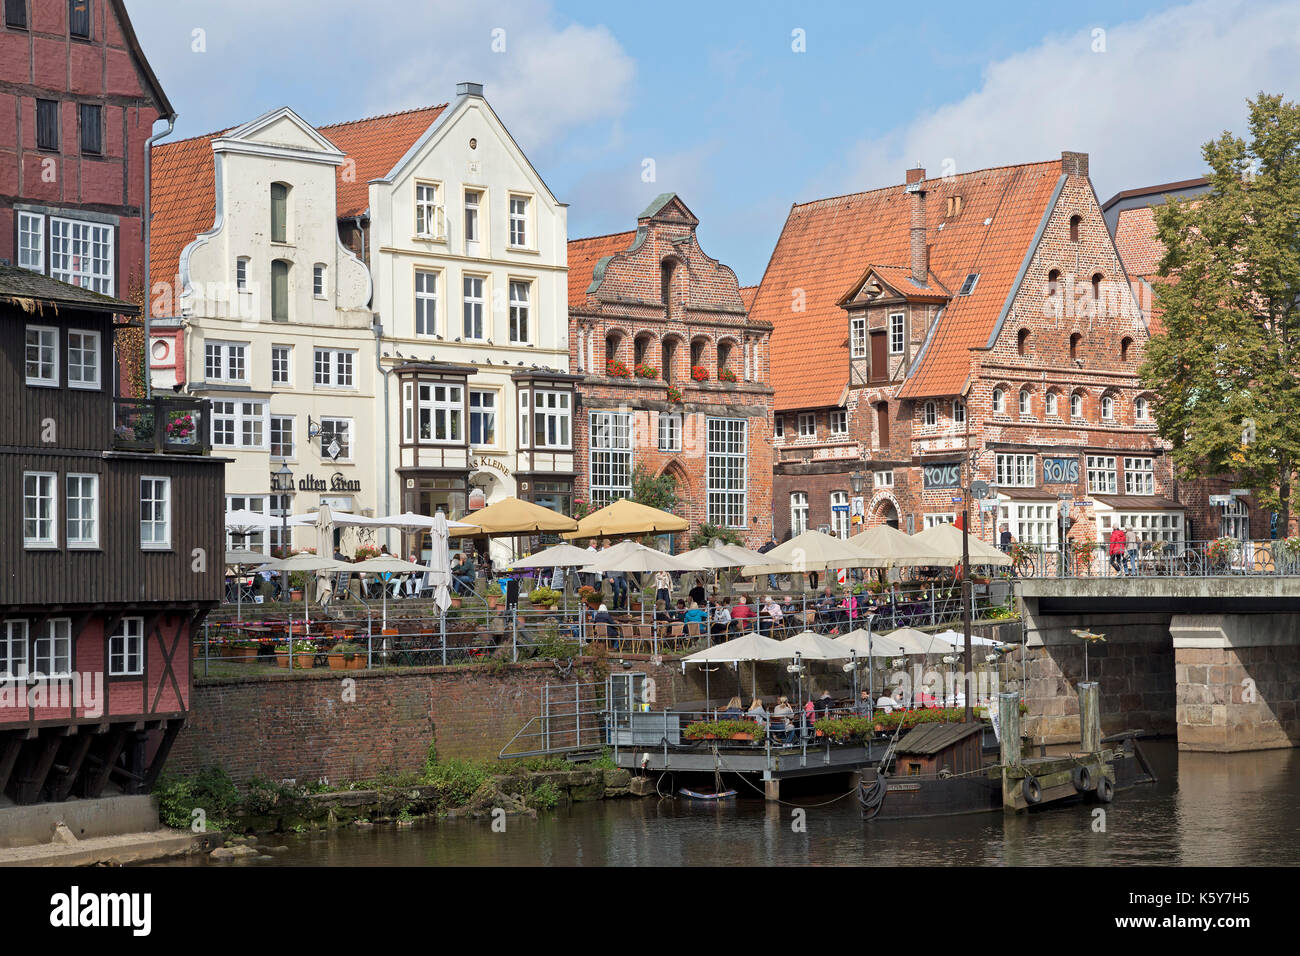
(1215, 660)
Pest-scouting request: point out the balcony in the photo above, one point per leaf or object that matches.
(168, 426)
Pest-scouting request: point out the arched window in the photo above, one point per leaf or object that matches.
(1124, 345)
(1141, 409)
(641, 348)
(1022, 341)
(1050, 406)
(999, 402)
(1075, 339)
(613, 341)
(279, 212)
(697, 352)
(1096, 287)
(1075, 221)
(931, 413)
(668, 358)
(280, 290)
(1024, 401)
(1053, 282)
(959, 412)
(1076, 405)
(724, 356)
(840, 514)
(1107, 408)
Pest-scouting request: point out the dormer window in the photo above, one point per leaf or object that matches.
(968, 286)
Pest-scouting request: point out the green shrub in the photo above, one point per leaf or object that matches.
(543, 797)
(724, 729)
(456, 780)
(210, 790)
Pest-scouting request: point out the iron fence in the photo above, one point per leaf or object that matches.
(1221, 557)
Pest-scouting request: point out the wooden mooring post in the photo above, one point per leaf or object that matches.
(1089, 717)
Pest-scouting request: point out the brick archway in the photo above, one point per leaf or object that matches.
(879, 510)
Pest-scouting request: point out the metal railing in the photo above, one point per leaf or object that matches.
(173, 426)
(1216, 558)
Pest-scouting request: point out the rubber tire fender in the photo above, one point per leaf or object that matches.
(1105, 789)
(1081, 777)
(1031, 791)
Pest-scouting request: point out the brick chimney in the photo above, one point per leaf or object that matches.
(1074, 164)
(920, 251)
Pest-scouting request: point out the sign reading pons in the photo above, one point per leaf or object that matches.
(947, 475)
(1060, 471)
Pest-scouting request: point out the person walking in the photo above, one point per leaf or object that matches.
(664, 587)
(1116, 545)
(771, 578)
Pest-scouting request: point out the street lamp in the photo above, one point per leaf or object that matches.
(857, 479)
(282, 482)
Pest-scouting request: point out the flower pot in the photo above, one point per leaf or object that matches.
(244, 653)
(357, 663)
(337, 663)
(295, 594)
(457, 602)
(742, 736)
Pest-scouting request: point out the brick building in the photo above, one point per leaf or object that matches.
(78, 102)
(980, 322)
(675, 373)
(1130, 216)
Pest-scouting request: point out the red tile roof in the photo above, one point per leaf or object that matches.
(583, 256)
(183, 198)
(827, 245)
(1136, 242)
(747, 295)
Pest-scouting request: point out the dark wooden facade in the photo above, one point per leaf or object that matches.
(75, 717)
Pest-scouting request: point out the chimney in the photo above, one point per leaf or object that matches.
(920, 252)
(1074, 164)
(469, 89)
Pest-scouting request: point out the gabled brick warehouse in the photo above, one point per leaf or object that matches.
(675, 373)
(984, 315)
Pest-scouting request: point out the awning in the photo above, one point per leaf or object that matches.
(1139, 502)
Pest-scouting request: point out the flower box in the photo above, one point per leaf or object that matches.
(699, 373)
(726, 375)
(616, 369)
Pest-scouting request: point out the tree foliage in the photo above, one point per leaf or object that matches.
(656, 492)
(1224, 369)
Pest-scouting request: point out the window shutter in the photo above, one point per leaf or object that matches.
(16, 13)
(879, 356)
(280, 291)
(279, 212)
(91, 135)
(47, 124)
(79, 18)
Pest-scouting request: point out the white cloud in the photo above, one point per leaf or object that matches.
(1142, 108)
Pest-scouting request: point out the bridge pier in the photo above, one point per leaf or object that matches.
(1238, 681)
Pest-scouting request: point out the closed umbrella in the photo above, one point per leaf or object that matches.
(439, 577)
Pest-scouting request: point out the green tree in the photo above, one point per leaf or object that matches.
(660, 492)
(1224, 369)
(706, 533)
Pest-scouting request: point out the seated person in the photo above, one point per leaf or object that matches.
(783, 720)
(696, 614)
(823, 705)
(887, 703)
(772, 615)
(602, 616)
(733, 710)
(757, 711)
(722, 619)
(742, 613)
(463, 574)
(826, 600)
(679, 613)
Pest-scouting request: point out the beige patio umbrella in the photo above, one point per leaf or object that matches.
(637, 558)
(512, 516)
(556, 556)
(626, 517)
(945, 540)
(708, 559)
(386, 564)
(812, 646)
(887, 547)
(747, 647)
(305, 562)
(810, 551)
(918, 642)
(871, 645)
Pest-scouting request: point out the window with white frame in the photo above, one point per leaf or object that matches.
(472, 199)
(155, 512)
(126, 648)
(82, 523)
(778, 426)
(428, 211)
(931, 413)
(959, 412)
(1141, 410)
(13, 650)
(519, 293)
(807, 425)
(40, 509)
(840, 514)
(1032, 523)
(1049, 407)
(31, 241)
(1107, 408)
(1143, 527)
(42, 355)
(441, 413)
(1025, 400)
(426, 302)
(611, 456)
(1139, 476)
(81, 253)
(318, 280)
(281, 357)
(334, 368)
(884, 479)
(1101, 474)
(1076, 405)
(241, 274)
(52, 650)
(1235, 520)
(670, 431)
(251, 541)
(282, 436)
(999, 402)
(725, 472)
(473, 311)
(482, 417)
(340, 429)
(239, 424)
(938, 518)
(551, 418)
(896, 334)
(839, 422)
(519, 221)
(225, 361)
(1015, 471)
(858, 336)
(798, 513)
(83, 359)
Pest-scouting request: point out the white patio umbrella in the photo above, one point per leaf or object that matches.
(944, 540)
(958, 640)
(918, 642)
(812, 646)
(557, 556)
(810, 551)
(305, 563)
(242, 559)
(886, 547)
(386, 564)
(637, 558)
(747, 647)
(871, 645)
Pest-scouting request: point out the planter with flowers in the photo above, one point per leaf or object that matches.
(181, 429)
(725, 730)
(646, 371)
(699, 373)
(616, 369)
(304, 653)
(347, 656)
(674, 394)
(365, 552)
(726, 375)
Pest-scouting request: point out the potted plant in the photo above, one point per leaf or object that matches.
(347, 656)
(674, 394)
(304, 653)
(699, 373)
(616, 369)
(725, 730)
(726, 375)
(180, 429)
(244, 650)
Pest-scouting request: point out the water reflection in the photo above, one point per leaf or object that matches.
(1207, 809)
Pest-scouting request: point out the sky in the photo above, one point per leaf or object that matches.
(746, 108)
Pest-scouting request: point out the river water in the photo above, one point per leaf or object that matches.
(1206, 809)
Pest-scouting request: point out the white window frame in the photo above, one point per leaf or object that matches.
(473, 215)
(443, 412)
(1031, 522)
(840, 519)
(1050, 408)
(1141, 409)
(31, 241)
(75, 512)
(1143, 527)
(883, 479)
(490, 410)
(839, 422)
(1016, 471)
(1234, 522)
(230, 357)
(281, 364)
(1108, 408)
(552, 413)
(1076, 399)
(778, 426)
(426, 302)
(293, 437)
(14, 649)
(999, 402)
(670, 431)
(73, 243)
(318, 278)
(897, 333)
(1024, 402)
(81, 368)
(858, 337)
(474, 306)
(726, 472)
(1103, 477)
(798, 512)
(149, 509)
(939, 517)
(126, 648)
(241, 274)
(930, 413)
(241, 415)
(520, 310)
(430, 216)
(339, 369)
(42, 346)
(807, 425)
(610, 469)
(520, 229)
(47, 492)
(346, 435)
(958, 412)
(1139, 476)
(54, 647)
